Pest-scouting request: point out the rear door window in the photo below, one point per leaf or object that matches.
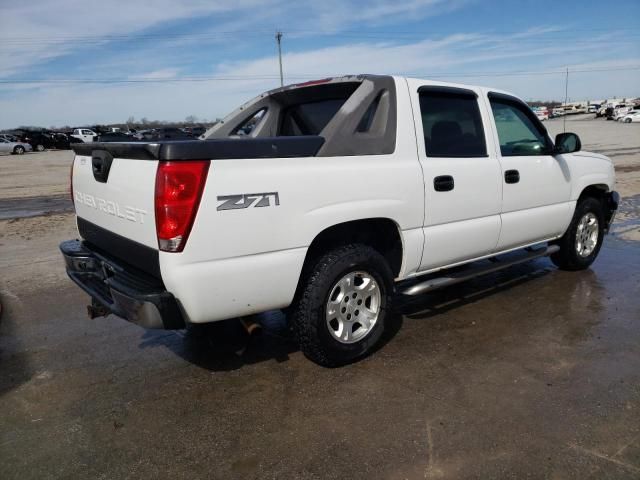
(451, 123)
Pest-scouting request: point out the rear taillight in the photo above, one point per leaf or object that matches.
(179, 187)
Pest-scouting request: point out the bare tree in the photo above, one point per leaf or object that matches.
(191, 119)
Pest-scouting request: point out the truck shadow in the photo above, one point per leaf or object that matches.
(15, 368)
(226, 345)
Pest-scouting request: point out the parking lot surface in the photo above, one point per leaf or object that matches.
(529, 373)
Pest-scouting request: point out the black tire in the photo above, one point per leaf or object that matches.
(568, 257)
(18, 150)
(627, 120)
(308, 312)
(39, 148)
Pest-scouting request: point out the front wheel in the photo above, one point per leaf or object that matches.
(18, 150)
(339, 314)
(627, 120)
(581, 243)
(40, 148)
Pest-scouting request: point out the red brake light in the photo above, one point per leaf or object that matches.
(313, 82)
(179, 187)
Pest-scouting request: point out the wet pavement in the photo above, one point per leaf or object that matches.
(528, 373)
(24, 207)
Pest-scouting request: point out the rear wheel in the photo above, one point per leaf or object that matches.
(627, 120)
(581, 243)
(339, 314)
(18, 150)
(40, 148)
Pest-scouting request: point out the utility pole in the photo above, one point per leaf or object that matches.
(279, 40)
(566, 99)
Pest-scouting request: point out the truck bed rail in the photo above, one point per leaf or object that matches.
(218, 149)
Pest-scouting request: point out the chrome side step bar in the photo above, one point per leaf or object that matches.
(454, 277)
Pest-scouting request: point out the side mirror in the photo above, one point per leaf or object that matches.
(567, 143)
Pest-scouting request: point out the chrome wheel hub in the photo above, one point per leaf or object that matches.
(353, 307)
(587, 234)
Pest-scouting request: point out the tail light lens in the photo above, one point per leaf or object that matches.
(179, 187)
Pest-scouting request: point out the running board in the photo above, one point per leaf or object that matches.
(461, 276)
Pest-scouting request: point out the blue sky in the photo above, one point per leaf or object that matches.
(73, 62)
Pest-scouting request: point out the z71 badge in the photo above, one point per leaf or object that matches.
(246, 200)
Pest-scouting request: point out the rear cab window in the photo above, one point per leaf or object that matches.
(309, 116)
(451, 122)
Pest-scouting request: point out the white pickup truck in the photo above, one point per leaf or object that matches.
(84, 134)
(329, 199)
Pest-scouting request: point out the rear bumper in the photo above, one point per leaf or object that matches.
(121, 289)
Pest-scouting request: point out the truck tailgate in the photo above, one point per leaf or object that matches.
(118, 197)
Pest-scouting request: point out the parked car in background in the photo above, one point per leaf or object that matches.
(194, 132)
(16, 148)
(84, 134)
(610, 112)
(632, 116)
(542, 113)
(197, 131)
(39, 141)
(63, 141)
(620, 112)
(169, 133)
(144, 134)
(115, 137)
(593, 108)
(602, 111)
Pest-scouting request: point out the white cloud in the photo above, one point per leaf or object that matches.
(162, 74)
(36, 30)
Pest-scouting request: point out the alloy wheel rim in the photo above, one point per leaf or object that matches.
(587, 234)
(353, 307)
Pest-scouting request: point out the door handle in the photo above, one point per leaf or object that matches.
(443, 183)
(512, 176)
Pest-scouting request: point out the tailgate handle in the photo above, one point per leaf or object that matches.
(101, 164)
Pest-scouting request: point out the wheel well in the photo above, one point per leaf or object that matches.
(382, 234)
(601, 192)
(596, 191)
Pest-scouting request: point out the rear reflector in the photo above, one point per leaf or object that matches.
(179, 187)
